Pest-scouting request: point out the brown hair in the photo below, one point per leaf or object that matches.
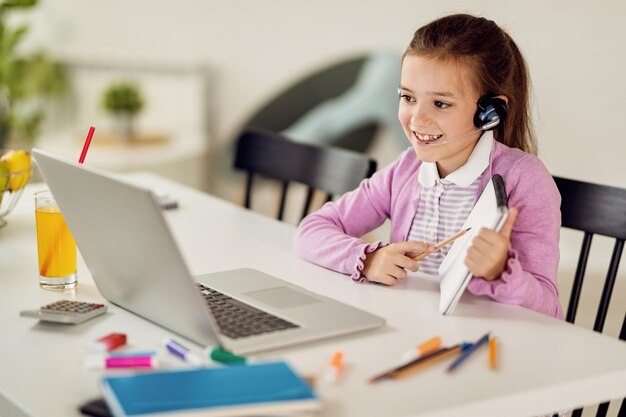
(495, 65)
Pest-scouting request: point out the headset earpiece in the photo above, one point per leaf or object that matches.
(491, 112)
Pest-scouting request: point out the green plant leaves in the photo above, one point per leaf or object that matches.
(26, 80)
(123, 97)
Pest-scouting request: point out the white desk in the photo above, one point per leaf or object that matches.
(545, 364)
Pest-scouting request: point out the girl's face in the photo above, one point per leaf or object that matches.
(436, 112)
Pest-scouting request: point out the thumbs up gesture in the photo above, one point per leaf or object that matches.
(489, 251)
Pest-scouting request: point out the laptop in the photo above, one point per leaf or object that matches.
(136, 264)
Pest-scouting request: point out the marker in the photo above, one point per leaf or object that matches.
(118, 362)
(220, 355)
(334, 369)
(422, 349)
(107, 343)
(466, 353)
(182, 352)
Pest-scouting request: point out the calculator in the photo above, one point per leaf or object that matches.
(66, 311)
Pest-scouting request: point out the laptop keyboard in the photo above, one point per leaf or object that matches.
(236, 319)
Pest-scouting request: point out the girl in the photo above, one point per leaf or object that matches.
(461, 77)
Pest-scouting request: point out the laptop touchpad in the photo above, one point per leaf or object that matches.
(281, 297)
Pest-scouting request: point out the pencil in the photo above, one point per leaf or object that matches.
(408, 367)
(443, 243)
(432, 359)
(492, 353)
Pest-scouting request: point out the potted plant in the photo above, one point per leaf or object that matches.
(26, 80)
(124, 101)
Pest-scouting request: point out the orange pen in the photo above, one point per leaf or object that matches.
(492, 353)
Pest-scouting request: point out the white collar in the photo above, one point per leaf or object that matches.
(466, 174)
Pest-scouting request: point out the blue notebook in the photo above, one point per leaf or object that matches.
(255, 389)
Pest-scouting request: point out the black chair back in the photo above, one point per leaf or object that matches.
(269, 154)
(594, 209)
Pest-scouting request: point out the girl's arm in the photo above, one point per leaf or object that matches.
(529, 276)
(330, 237)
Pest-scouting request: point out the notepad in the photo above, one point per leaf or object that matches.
(256, 389)
(490, 211)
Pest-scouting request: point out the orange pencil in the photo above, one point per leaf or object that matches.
(434, 358)
(410, 367)
(492, 353)
(443, 243)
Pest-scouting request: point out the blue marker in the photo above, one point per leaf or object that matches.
(182, 352)
(468, 351)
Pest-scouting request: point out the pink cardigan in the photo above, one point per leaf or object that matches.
(330, 236)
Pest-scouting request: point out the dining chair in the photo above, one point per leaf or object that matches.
(595, 210)
(268, 154)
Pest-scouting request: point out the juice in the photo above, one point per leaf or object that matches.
(55, 245)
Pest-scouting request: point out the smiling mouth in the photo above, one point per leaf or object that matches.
(426, 138)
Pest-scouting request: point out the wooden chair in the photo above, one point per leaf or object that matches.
(594, 209)
(333, 170)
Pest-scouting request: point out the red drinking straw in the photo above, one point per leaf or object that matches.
(83, 154)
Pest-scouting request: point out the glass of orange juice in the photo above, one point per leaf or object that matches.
(56, 248)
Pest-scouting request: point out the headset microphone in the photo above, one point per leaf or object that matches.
(490, 112)
(445, 140)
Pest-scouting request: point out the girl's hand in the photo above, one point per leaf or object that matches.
(387, 264)
(490, 250)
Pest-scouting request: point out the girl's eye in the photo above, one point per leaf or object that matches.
(406, 97)
(441, 104)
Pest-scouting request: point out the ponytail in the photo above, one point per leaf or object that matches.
(519, 132)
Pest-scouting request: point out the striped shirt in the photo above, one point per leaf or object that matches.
(442, 210)
(444, 204)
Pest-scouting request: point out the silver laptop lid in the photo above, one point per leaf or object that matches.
(125, 240)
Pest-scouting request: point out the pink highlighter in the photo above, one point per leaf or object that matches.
(117, 362)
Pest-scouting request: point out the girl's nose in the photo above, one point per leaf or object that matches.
(419, 117)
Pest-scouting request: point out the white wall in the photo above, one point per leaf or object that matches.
(575, 50)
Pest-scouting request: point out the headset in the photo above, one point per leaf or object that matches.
(491, 111)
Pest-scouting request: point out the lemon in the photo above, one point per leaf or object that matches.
(4, 177)
(14, 162)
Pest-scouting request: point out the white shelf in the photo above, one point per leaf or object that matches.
(176, 97)
(181, 158)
